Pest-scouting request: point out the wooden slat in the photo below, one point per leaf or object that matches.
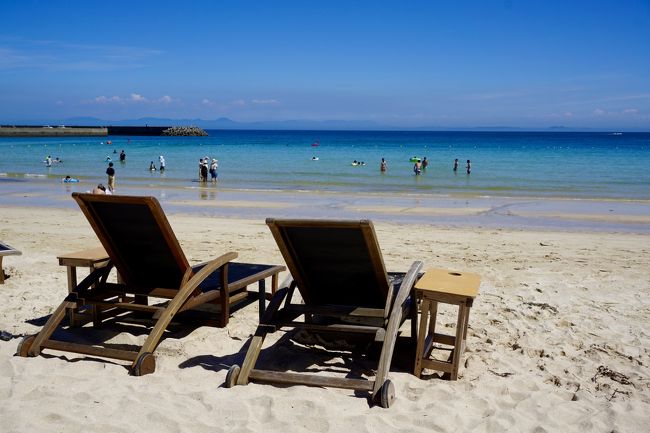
(128, 306)
(252, 279)
(104, 352)
(434, 364)
(310, 380)
(213, 296)
(361, 329)
(335, 310)
(449, 340)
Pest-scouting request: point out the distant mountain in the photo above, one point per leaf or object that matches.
(296, 124)
(225, 123)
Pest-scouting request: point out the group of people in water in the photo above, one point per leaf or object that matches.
(206, 166)
(161, 162)
(49, 161)
(421, 164)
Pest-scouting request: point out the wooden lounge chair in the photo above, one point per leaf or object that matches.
(150, 263)
(6, 250)
(339, 271)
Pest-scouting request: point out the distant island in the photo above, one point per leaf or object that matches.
(99, 131)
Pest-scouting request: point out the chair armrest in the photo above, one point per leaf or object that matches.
(208, 269)
(405, 288)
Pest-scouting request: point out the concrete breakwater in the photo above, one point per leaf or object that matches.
(49, 131)
(186, 131)
(98, 131)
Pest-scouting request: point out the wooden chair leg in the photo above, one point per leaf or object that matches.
(49, 328)
(2, 271)
(252, 354)
(262, 298)
(97, 316)
(71, 272)
(274, 283)
(225, 297)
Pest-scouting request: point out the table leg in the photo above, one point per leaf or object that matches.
(2, 271)
(422, 335)
(433, 313)
(458, 343)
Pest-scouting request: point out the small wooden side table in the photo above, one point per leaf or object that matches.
(449, 287)
(93, 258)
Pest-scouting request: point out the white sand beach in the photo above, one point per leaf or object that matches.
(558, 340)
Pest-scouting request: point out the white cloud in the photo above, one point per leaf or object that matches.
(107, 100)
(630, 111)
(206, 101)
(599, 112)
(265, 101)
(135, 97)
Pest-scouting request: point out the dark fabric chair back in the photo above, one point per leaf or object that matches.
(333, 262)
(137, 237)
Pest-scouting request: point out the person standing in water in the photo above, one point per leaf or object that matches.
(417, 168)
(425, 163)
(456, 164)
(161, 159)
(203, 170)
(122, 156)
(383, 166)
(213, 170)
(469, 167)
(110, 172)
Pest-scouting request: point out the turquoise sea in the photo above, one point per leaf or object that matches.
(546, 164)
(514, 174)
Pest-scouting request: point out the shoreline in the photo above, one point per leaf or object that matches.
(523, 213)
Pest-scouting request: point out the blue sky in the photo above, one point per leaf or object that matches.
(531, 64)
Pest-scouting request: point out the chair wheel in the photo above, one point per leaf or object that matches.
(387, 394)
(145, 364)
(231, 377)
(25, 345)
